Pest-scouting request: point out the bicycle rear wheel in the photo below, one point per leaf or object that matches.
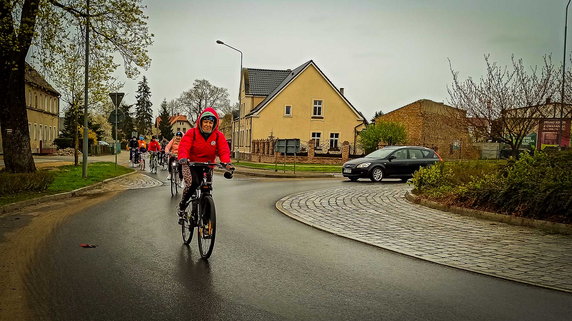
(207, 226)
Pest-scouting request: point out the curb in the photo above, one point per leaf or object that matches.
(15, 206)
(550, 227)
(278, 205)
(272, 174)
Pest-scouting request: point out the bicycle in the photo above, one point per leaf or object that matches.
(133, 157)
(153, 162)
(203, 213)
(175, 179)
(142, 160)
(164, 161)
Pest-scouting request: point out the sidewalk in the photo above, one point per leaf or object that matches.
(379, 215)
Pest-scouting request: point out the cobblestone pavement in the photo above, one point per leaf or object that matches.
(133, 181)
(379, 214)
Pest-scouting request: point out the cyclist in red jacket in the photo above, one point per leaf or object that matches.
(203, 143)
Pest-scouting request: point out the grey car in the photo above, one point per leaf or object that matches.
(390, 161)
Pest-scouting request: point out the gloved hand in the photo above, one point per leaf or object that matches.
(183, 161)
(229, 167)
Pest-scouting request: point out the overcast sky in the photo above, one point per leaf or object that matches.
(385, 53)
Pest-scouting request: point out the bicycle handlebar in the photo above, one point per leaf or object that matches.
(227, 174)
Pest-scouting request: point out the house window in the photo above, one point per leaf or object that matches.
(316, 138)
(334, 137)
(287, 110)
(317, 111)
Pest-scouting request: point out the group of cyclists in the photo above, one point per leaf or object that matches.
(202, 143)
(164, 152)
(190, 158)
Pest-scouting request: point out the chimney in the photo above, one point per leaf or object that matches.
(341, 91)
(548, 100)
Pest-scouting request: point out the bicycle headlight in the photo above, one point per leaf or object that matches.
(363, 165)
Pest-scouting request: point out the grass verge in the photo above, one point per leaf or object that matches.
(290, 167)
(68, 178)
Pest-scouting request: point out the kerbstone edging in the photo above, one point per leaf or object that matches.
(14, 206)
(547, 226)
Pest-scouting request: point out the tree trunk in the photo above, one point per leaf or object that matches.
(14, 46)
(14, 119)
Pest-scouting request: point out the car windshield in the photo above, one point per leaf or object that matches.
(380, 153)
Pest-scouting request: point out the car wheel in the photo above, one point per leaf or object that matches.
(376, 174)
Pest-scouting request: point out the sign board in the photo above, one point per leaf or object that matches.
(116, 98)
(120, 116)
(287, 146)
(529, 140)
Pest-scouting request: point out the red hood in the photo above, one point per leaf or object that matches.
(208, 110)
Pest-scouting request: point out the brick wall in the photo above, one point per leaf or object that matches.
(435, 125)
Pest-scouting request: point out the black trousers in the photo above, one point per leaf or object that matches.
(193, 177)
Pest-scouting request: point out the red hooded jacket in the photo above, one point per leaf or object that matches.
(195, 148)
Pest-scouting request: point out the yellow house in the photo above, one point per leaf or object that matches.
(43, 109)
(294, 104)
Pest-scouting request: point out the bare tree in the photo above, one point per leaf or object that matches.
(203, 95)
(504, 105)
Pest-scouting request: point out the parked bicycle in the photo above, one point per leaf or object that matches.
(202, 214)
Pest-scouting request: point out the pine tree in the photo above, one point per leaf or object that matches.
(165, 126)
(143, 111)
(127, 126)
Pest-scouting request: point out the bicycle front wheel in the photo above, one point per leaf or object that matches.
(187, 229)
(174, 182)
(207, 226)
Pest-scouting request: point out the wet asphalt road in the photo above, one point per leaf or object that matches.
(265, 266)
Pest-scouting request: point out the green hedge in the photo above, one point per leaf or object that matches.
(13, 183)
(534, 186)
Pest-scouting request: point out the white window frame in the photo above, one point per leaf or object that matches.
(316, 137)
(335, 140)
(288, 110)
(318, 106)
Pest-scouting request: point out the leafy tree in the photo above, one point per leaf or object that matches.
(53, 27)
(390, 133)
(127, 127)
(492, 102)
(164, 126)
(201, 96)
(143, 111)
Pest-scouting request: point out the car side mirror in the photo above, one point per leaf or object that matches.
(392, 157)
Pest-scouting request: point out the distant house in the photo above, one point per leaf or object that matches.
(294, 104)
(434, 125)
(179, 123)
(43, 109)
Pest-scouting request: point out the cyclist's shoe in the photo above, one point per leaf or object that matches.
(182, 184)
(181, 214)
(169, 177)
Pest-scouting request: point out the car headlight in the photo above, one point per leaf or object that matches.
(363, 165)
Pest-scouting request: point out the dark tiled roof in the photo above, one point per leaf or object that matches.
(34, 77)
(261, 82)
(293, 74)
(286, 80)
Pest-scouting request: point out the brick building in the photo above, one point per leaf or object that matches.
(434, 125)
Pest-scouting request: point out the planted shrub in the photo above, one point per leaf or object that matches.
(12, 183)
(534, 186)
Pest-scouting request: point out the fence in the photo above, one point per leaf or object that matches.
(263, 151)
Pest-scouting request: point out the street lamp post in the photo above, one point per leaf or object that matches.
(560, 129)
(85, 129)
(239, 103)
